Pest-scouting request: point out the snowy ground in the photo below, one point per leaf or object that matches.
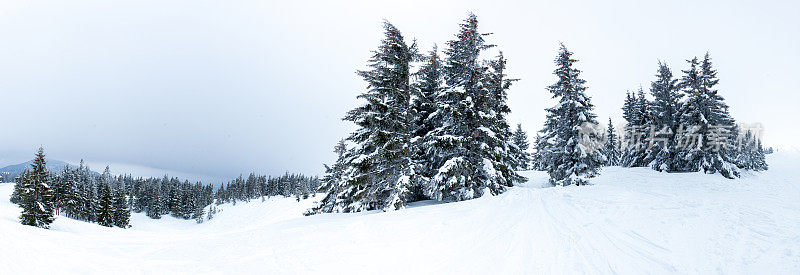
(631, 221)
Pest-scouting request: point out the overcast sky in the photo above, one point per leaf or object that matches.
(211, 89)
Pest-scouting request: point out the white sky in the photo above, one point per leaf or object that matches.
(218, 88)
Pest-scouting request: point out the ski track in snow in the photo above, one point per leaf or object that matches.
(630, 221)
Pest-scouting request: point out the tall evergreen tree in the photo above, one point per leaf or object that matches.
(568, 154)
(36, 195)
(630, 114)
(154, 205)
(424, 110)
(707, 122)
(611, 148)
(105, 208)
(380, 169)
(666, 106)
(520, 140)
(501, 152)
(121, 213)
(470, 144)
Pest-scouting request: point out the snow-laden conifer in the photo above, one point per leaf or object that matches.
(380, 170)
(470, 145)
(665, 109)
(36, 196)
(571, 154)
(706, 134)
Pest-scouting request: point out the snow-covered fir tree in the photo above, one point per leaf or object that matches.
(705, 143)
(504, 155)
(611, 147)
(665, 110)
(105, 208)
(426, 118)
(36, 196)
(520, 140)
(121, 212)
(154, 202)
(566, 155)
(380, 169)
(470, 143)
(537, 157)
(759, 159)
(334, 174)
(636, 142)
(423, 100)
(630, 114)
(86, 197)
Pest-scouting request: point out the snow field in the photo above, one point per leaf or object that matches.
(630, 221)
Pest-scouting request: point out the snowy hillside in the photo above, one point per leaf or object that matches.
(631, 221)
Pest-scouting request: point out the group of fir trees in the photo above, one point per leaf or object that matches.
(686, 127)
(74, 193)
(84, 195)
(181, 199)
(258, 186)
(157, 197)
(435, 133)
(108, 200)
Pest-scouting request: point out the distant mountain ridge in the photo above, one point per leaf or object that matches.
(8, 173)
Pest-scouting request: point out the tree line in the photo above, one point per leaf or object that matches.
(261, 186)
(108, 200)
